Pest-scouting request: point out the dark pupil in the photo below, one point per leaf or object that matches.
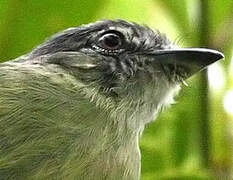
(111, 41)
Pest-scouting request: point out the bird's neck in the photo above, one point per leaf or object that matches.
(110, 143)
(112, 136)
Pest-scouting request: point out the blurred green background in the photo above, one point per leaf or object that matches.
(193, 140)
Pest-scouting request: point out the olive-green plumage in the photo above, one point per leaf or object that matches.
(75, 107)
(50, 130)
(54, 126)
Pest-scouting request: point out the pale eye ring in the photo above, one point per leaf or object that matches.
(110, 41)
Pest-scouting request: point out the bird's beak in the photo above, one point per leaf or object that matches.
(189, 60)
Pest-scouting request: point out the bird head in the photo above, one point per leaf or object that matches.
(123, 60)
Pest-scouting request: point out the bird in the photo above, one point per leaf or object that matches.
(75, 107)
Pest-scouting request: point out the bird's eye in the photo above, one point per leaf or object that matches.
(110, 41)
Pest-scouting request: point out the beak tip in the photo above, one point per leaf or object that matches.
(217, 55)
(220, 55)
